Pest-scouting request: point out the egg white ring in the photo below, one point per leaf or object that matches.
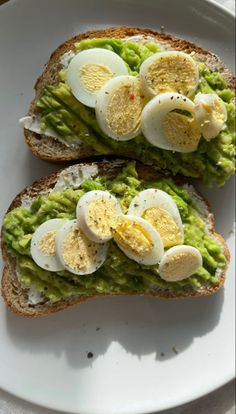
(175, 250)
(100, 256)
(159, 55)
(82, 213)
(158, 248)
(37, 255)
(103, 98)
(155, 198)
(154, 114)
(92, 56)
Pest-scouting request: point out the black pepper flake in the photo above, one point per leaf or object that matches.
(172, 98)
(162, 354)
(89, 355)
(98, 329)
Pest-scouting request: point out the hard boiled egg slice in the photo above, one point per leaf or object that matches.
(168, 122)
(119, 106)
(138, 239)
(97, 213)
(180, 262)
(171, 71)
(211, 114)
(43, 245)
(159, 209)
(90, 69)
(78, 254)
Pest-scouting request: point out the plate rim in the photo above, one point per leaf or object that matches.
(214, 3)
(148, 410)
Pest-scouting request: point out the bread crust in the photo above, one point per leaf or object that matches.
(16, 296)
(48, 148)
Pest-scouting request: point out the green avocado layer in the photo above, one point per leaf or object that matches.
(119, 274)
(213, 162)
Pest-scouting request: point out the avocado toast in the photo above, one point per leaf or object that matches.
(60, 128)
(30, 290)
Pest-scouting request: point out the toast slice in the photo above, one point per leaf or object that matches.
(17, 296)
(47, 148)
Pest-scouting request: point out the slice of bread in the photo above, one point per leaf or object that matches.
(47, 148)
(17, 296)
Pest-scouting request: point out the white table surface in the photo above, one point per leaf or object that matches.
(221, 401)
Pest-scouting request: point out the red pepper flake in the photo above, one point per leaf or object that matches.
(132, 96)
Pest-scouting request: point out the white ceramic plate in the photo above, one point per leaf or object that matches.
(149, 354)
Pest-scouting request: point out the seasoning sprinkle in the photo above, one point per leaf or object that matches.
(89, 355)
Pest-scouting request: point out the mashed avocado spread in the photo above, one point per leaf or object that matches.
(118, 274)
(213, 161)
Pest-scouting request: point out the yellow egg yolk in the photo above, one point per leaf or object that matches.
(217, 112)
(94, 76)
(179, 266)
(181, 131)
(125, 107)
(102, 216)
(133, 237)
(78, 252)
(165, 225)
(171, 74)
(47, 243)
(214, 111)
